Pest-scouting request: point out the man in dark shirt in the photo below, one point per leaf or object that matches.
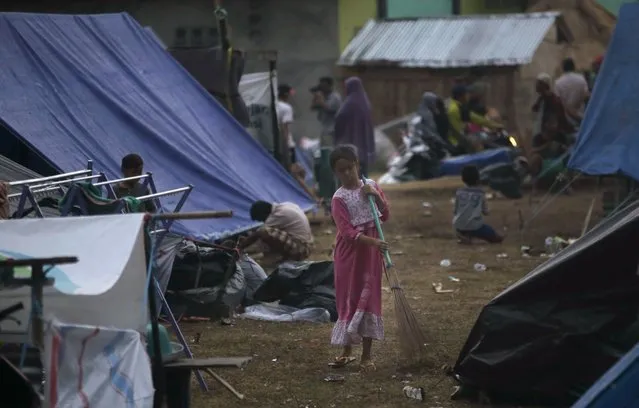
(552, 129)
(132, 166)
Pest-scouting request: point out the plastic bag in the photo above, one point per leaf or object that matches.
(102, 367)
(281, 313)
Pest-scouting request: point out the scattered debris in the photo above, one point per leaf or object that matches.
(439, 288)
(445, 263)
(452, 201)
(328, 232)
(454, 279)
(334, 378)
(416, 393)
(397, 253)
(490, 196)
(274, 360)
(386, 289)
(428, 208)
(556, 244)
(502, 256)
(479, 267)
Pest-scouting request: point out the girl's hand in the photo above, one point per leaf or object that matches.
(382, 245)
(369, 190)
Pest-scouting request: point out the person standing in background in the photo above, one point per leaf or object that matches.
(354, 124)
(284, 112)
(572, 89)
(326, 101)
(591, 75)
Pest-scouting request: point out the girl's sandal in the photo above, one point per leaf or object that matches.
(341, 362)
(367, 367)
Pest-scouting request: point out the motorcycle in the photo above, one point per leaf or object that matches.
(493, 139)
(416, 159)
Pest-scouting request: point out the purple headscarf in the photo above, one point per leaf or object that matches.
(354, 121)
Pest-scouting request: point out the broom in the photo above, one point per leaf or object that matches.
(411, 337)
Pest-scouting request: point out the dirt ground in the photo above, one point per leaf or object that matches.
(290, 360)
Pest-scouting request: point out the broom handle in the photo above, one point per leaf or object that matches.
(378, 225)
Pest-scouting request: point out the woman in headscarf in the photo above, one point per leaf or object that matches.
(426, 111)
(354, 123)
(433, 119)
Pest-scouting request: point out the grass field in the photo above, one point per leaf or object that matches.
(290, 360)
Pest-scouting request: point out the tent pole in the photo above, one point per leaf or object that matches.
(159, 375)
(277, 140)
(592, 206)
(227, 53)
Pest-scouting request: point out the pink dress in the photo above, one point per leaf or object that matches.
(358, 268)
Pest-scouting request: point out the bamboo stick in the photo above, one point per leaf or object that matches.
(197, 215)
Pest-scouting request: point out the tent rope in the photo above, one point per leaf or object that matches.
(548, 202)
(545, 196)
(623, 204)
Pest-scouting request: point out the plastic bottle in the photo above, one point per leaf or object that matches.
(549, 244)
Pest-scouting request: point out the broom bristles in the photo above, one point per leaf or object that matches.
(411, 337)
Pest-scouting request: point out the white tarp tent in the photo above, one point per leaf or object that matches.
(105, 288)
(256, 91)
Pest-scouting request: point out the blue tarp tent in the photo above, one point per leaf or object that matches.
(608, 141)
(99, 87)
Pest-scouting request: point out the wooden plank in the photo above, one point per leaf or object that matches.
(217, 362)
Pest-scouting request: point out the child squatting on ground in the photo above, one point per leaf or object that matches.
(470, 208)
(357, 259)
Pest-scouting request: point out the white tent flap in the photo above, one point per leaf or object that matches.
(107, 285)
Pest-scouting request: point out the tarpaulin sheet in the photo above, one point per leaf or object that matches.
(545, 340)
(100, 87)
(453, 166)
(607, 142)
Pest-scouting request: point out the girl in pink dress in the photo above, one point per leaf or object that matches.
(358, 260)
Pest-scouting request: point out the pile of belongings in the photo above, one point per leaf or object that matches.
(211, 282)
(300, 286)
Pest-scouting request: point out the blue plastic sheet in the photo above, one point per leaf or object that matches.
(100, 87)
(453, 166)
(607, 142)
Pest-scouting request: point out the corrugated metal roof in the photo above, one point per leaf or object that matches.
(447, 42)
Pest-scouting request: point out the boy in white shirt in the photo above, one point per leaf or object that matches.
(285, 117)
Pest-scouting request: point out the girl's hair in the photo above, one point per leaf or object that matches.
(346, 152)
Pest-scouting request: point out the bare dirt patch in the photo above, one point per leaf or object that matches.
(290, 360)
